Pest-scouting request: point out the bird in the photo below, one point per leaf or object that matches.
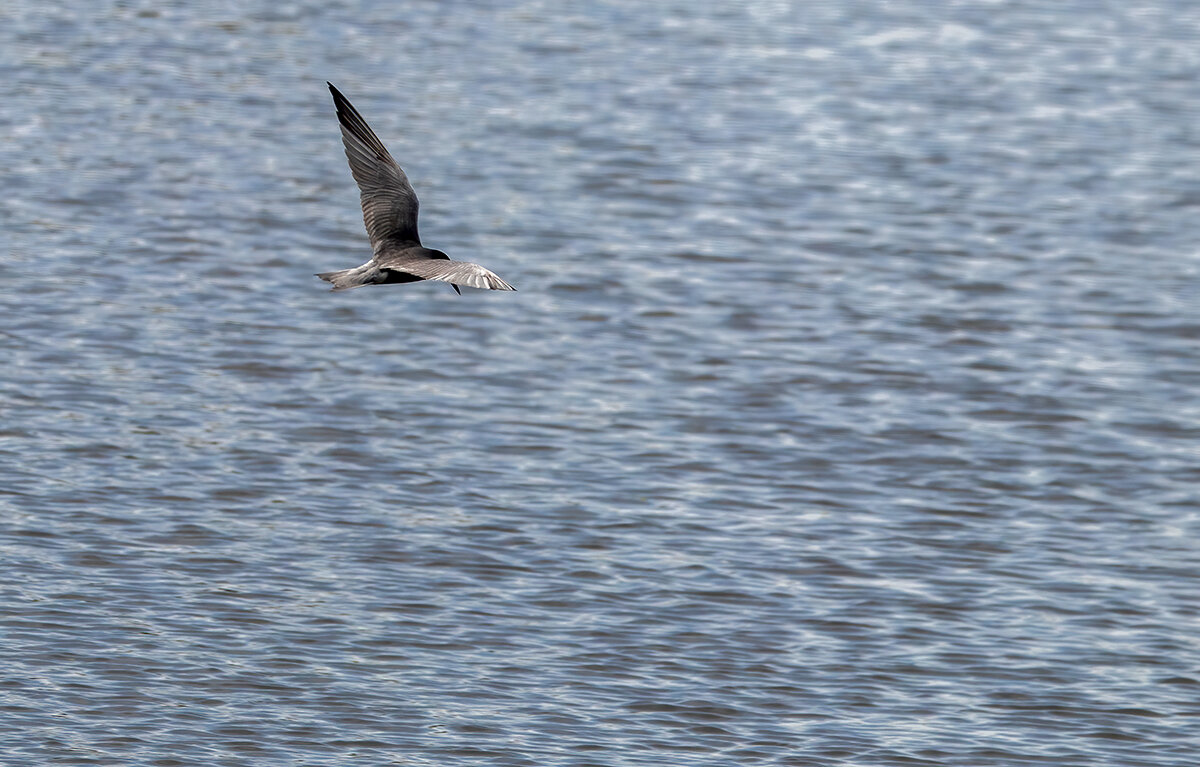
(390, 214)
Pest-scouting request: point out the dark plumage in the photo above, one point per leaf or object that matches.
(390, 213)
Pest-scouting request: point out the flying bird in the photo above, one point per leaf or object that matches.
(390, 213)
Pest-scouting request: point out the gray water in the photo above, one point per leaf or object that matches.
(846, 413)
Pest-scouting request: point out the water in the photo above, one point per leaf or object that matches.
(846, 414)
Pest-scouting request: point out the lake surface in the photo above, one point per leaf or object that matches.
(847, 412)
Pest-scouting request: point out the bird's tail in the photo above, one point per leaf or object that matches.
(367, 274)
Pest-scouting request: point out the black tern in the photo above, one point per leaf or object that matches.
(390, 213)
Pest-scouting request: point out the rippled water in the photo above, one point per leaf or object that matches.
(846, 414)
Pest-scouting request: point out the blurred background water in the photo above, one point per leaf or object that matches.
(846, 414)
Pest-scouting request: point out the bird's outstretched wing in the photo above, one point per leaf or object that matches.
(388, 201)
(453, 272)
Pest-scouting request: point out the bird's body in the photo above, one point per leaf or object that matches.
(390, 213)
